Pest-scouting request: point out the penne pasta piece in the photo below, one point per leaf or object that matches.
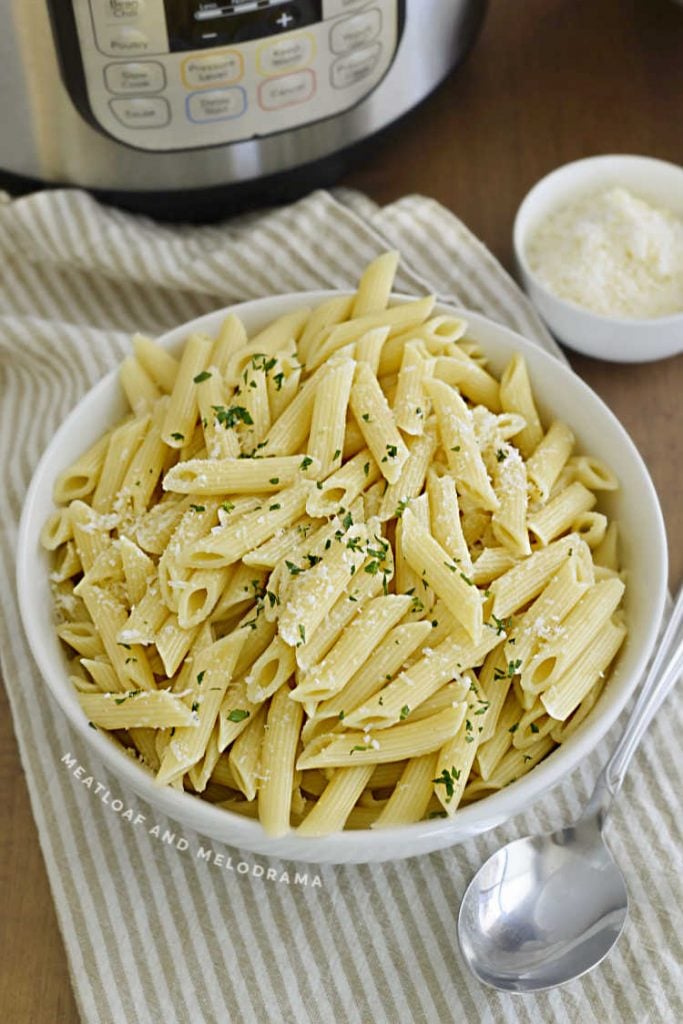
(509, 520)
(549, 458)
(80, 478)
(412, 478)
(409, 801)
(607, 552)
(458, 440)
(159, 364)
(542, 620)
(398, 318)
(67, 563)
(493, 748)
(430, 562)
(560, 512)
(140, 390)
(374, 287)
(233, 541)
(438, 333)
(220, 436)
(524, 581)
(328, 424)
(491, 564)
(352, 650)
(58, 529)
(533, 726)
(278, 756)
(389, 656)
(455, 759)
(182, 409)
(231, 338)
(157, 709)
(270, 671)
(128, 660)
(411, 403)
(335, 803)
(82, 637)
(591, 527)
(123, 444)
(328, 314)
(345, 608)
(245, 755)
(516, 396)
(283, 382)
(312, 594)
(212, 672)
(347, 749)
(138, 569)
(154, 529)
(375, 419)
(592, 473)
(563, 696)
(561, 731)
(236, 711)
(516, 763)
(369, 347)
(458, 370)
(589, 616)
(445, 520)
(238, 476)
(420, 680)
(173, 642)
(277, 335)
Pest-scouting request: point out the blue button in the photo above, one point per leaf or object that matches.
(216, 104)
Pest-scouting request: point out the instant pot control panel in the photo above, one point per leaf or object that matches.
(166, 75)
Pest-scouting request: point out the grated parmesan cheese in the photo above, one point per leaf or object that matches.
(612, 253)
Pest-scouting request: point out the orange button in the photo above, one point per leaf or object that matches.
(208, 70)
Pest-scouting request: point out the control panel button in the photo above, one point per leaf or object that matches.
(135, 77)
(124, 42)
(287, 90)
(286, 54)
(212, 69)
(351, 33)
(354, 67)
(142, 112)
(333, 8)
(121, 10)
(284, 18)
(216, 105)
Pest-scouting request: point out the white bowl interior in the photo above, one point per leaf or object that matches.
(560, 394)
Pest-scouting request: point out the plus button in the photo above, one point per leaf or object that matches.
(284, 19)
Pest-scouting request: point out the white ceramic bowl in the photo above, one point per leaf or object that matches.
(617, 339)
(560, 393)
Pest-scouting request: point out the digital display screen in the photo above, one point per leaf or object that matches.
(193, 25)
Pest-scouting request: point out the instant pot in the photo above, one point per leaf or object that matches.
(180, 107)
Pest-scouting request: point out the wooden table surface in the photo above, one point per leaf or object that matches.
(549, 81)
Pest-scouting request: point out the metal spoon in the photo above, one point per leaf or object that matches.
(545, 909)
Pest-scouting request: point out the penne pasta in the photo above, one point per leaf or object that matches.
(333, 573)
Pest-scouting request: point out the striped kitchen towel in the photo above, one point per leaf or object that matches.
(155, 933)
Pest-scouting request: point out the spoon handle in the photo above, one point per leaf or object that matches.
(656, 686)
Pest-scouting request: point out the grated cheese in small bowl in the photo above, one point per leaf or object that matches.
(613, 253)
(598, 246)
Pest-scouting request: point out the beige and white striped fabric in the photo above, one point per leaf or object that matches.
(153, 934)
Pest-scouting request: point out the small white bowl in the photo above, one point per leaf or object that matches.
(617, 339)
(560, 393)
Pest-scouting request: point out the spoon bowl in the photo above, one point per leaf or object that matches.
(543, 910)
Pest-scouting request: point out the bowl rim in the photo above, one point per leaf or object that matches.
(520, 236)
(345, 846)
